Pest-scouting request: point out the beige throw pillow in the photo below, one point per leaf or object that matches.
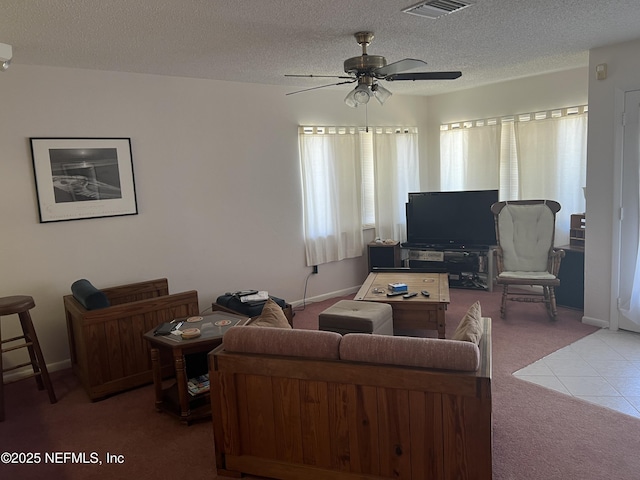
(470, 327)
(271, 316)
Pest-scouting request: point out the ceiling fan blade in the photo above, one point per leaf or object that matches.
(424, 76)
(399, 66)
(322, 86)
(317, 76)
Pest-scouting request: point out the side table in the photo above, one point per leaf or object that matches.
(385, 255)
(175, 398)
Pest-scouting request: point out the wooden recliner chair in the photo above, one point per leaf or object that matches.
(525, 232)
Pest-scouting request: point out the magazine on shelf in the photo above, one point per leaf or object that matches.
(198, 385)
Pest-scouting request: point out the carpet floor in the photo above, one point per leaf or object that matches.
(538, 433)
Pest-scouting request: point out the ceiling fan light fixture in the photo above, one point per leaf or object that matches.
(350, 100)
(361, 94)
(381, 93)
(358, 96)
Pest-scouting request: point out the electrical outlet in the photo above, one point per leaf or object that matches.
(315, 269)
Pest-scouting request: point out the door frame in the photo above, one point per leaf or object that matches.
(617, 213)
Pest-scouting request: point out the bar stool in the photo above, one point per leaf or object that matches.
(20, 305)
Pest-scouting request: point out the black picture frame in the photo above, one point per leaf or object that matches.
(80, 178)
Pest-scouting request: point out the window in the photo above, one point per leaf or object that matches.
(353, 178)
(533, 155)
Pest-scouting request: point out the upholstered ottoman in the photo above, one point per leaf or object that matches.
(351, 316)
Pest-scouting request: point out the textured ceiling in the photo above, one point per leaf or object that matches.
(259, 41)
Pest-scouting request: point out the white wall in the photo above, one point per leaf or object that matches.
(217, 181)
(603, 162)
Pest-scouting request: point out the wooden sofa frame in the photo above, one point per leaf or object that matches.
(291, 418)
(108, 353)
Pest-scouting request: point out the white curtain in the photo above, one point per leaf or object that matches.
(509, 172)
(528, 156)
(552, 163)
(469, 157)
(331, 194)
(396, 160)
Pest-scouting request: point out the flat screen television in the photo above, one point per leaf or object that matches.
(451, 219)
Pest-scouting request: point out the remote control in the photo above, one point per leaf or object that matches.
(395, 294)
(425, 293)
(409, 295)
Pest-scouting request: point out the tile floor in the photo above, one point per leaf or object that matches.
(602, 368)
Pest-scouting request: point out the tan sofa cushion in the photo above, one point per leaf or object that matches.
(280, 341)
(410, 351)
(271, 316)
(470, 327)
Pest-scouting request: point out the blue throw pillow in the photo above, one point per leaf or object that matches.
(89, 296)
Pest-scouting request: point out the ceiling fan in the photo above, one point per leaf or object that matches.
(367, 70)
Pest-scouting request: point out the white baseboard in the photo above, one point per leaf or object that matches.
(596, 322)
(26, 371)
(326, 296)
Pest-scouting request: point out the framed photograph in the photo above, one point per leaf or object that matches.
(79, 178)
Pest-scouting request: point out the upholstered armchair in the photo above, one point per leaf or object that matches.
(525, 256)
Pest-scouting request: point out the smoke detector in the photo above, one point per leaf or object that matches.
(436, 8)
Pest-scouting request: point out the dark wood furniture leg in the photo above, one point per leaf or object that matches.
(441, 321)
(181, 381)
(156, 368)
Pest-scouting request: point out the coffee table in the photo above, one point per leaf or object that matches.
(416, 313)
(176, 399)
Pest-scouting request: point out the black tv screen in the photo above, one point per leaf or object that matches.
(451, 219)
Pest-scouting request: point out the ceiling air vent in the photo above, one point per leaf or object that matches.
(436, 8)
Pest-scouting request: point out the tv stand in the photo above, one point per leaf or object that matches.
(467, 267)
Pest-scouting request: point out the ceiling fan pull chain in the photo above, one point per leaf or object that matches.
(366, 117)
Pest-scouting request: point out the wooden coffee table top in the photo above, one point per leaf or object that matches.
(375, 287)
